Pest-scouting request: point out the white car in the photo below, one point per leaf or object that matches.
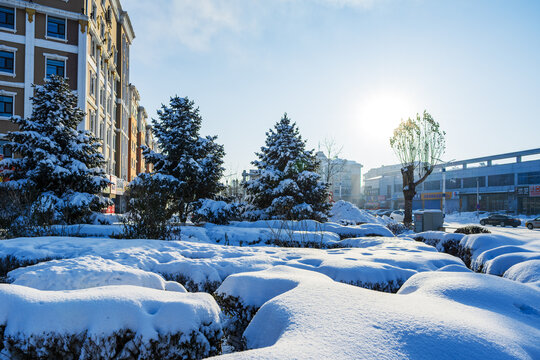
(398, 215)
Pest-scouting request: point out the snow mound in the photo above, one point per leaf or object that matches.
(315, 226)
(87, 272)
(107, 322)
(378, 262)
(527, 272)
(438, 315)
(344, 211)
(256, 288)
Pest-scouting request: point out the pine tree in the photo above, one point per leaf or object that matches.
(288, 186)
(58, 165)
(194, 162)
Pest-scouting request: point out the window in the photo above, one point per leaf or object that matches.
(56, 67)
(92, 84)
(530, 178)
(7, 64)
(56, 27)
(7, 18)
(4, 151)
(453, 183)
(432, 185)
(471, 182)
(501, 180)
(6, 105)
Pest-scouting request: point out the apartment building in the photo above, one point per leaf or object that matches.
(142, 118)
(88, 42)
(134, 98)
(345, 178)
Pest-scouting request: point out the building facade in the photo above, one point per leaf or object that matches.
(504, 182)
(87, 42)
(344, 176)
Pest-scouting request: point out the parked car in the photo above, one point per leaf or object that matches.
(384, 212)
(398, 215)
(534, 223)
(502, 220)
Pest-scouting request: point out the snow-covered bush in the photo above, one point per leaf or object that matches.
(59, 168)
(216, 212)
(287, 186)
(150, 207)
(472, 229)
(112, 322)
(449, 243)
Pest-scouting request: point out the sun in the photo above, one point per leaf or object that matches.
(378, 114)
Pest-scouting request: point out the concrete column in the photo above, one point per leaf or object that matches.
(82, 71)
(29, 60)
(98, 89)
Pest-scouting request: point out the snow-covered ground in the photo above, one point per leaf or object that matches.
(373, 262)
(436, 315)
(97, 290)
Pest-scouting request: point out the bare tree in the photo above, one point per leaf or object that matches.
(331, 164)
(419, 144)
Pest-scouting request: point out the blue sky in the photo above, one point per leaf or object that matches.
(345, 69)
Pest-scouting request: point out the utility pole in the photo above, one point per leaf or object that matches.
(443, 190)
(477, 197)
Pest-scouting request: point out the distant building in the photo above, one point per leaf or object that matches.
(504, 182)
(345, 178)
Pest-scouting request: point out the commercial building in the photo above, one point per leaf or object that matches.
(87, 42)
(344, 176)
(504, 182)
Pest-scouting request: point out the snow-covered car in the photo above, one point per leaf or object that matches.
(502, 220)
(398, 215)
(534, 223)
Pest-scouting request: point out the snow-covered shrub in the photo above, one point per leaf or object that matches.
(239, 316)
(113, 322)
(397, 228)
(449, 243)
(150, 207)
(215, 212)
(472, 229)
(10, 262)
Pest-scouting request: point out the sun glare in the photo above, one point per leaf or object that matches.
(380, 113)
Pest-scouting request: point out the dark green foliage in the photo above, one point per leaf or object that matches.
(239, 317)
(192, 286)
(58, 168)
(10, 262)
(397, 228)
(391, 286)
(150, 207)
(121, 345)
(288, 186)
(472, 229)
(216, 212)
(195, 162)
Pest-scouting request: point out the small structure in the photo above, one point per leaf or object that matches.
(428, 220)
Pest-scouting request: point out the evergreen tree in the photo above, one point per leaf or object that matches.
(193, 163)
(288, 186)
(58, 167)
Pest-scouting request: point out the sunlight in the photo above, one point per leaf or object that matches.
(378, 114)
